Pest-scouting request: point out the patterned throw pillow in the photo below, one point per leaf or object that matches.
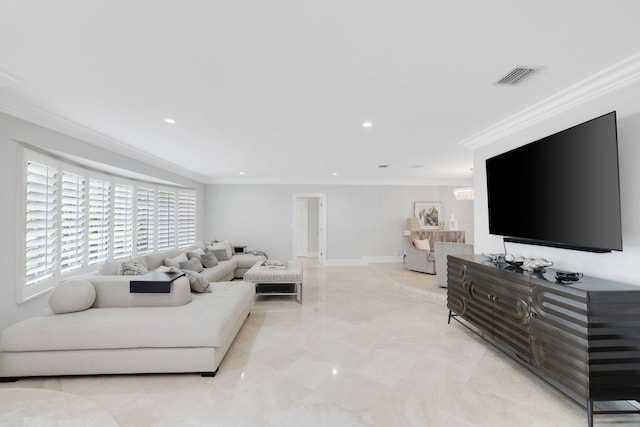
(133, 268)
(208, 260)
(197, 281)
(193, 264)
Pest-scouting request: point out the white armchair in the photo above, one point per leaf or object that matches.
(442, 250)
(420, 258)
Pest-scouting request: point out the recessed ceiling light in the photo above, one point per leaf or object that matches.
(335, 173)
(241, 173)
(367, 124)
(169, 120)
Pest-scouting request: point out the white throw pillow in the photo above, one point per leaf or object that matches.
(229, 247)
(72, 295)
(221, 246)
(109, 268)
(196, 253)
(422, 244)
(175, 262)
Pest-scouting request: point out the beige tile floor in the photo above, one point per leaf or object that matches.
(370, 346)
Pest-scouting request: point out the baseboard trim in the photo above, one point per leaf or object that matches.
(385, 259)
(362, 262)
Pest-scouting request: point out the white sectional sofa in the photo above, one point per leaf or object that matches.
(105, 329)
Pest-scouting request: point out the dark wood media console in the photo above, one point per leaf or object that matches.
(583, 338)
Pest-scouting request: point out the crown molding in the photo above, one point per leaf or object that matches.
(23, 110)
(337, 181)
(610, 79)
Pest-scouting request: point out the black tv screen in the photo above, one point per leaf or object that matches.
(562, 190)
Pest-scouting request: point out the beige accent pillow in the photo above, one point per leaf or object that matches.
(221, 246)
(196, 253)
(71, 296)
(229, 247)
(422, 244)
(109, 268)
(175, 262)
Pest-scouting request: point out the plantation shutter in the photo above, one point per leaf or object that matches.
(122, 221)
(72, 224)
(186, 219)
(41, 223)
(166, 220)
(145, 215)
(99, 211)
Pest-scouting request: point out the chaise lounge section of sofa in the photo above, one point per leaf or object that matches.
(102, 328)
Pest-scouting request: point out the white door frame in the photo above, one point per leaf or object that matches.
(322, 238)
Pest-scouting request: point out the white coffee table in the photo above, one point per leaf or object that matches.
(270, 281)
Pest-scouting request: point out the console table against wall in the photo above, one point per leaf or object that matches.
(583, 338)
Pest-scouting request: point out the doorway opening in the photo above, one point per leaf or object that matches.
(309, 226)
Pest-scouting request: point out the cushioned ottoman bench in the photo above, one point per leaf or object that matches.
(123, 333)
(268, 280)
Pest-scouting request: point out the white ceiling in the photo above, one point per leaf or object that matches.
(279, 89)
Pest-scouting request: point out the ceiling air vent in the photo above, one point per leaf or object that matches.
(517, 76)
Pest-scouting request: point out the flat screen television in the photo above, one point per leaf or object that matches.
(561, 191)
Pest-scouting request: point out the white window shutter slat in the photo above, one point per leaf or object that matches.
(99, 220)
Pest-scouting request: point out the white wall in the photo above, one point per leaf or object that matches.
(362, 221)
(621, 266)
(13, 132)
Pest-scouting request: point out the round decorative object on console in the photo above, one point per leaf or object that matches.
(513, 260)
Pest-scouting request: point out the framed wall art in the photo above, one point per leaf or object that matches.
(427, 214)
